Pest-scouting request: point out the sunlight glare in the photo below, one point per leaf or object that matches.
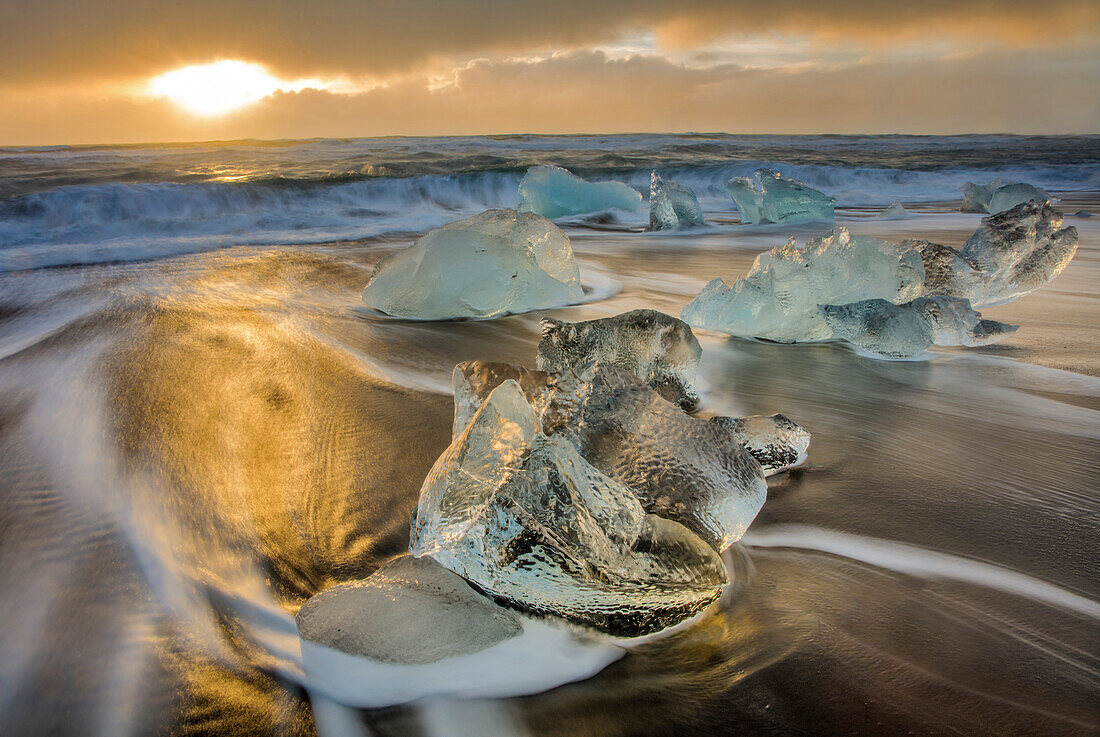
(220, 87)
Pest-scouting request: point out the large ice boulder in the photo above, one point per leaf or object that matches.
(778, 298)
(998, 196)
(554, 192)
(488, 265)
(705, 474)
(657, 348)
(529, 521)
(1018, 251)
(672, 205)
(358, 645)
(769, 197)
(906, 330)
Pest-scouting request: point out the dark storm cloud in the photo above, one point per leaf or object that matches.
(61, 41)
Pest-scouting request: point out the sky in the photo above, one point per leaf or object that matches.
(128, 71)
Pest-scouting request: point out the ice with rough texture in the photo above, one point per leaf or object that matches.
(703, 474)
(1018, 251)
(657, 348)
(947, 273)
(554, 192)
(998, 196)
(777, 443)
(529, 521)
(896, 211)
(693, 471)
(778, 298)
(672, 205)
(769, 197)
(488, 265)
(906, 330)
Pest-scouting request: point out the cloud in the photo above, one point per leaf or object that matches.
(586, 91)
(58, 42)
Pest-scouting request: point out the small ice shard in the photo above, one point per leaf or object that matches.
(554, 192)
(488, 265)
(1082, 214)
(778, 298)
(693, 471)
(657, 348)
(671, 205)
(906, 330)
(768, 197)
(998, 196)
(976, 197)
(414, 629)
(526, 519)
(1018, 251)
(777, 443)
(896, 211)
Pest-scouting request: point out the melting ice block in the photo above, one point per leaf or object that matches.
(906, 330)
(488, 265)
(529, 521)
(657, 348)
(777, 443)
(671, 205)
(693, 471)
(1018, 251)
(553, 192)
(768, 197)
(358, 646)
(778, 298)
(896, 211)
(998, 196)
(706, 475)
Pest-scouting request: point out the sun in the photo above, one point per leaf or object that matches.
(220, 87)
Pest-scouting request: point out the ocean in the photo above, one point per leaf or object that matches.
(201, 426)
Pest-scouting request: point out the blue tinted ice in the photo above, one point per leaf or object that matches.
(554, 192)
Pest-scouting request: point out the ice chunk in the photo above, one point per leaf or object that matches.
(553, 192)
(778, 298)
(414, 629)
(657, 348)
(671, 205)
(896, 211)
(1018, 251)
(946, 272)
(768, 197)
(689, 470)
(526, 519)
(491, 264)
(553, 398)
(906, 330)
(776, 442)
(998, 196)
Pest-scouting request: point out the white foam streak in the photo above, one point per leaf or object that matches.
(920, 562)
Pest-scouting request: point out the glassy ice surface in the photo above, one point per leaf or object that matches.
(671, 205)
(682, 468)
(906, 330)
(525, 518)
(1018, 251)
(998, 196)
(778, 298)
(657, 348)
(777, 443)
(488, 265)
(769, 197)
(704, 474)
(358, 646)
(896, 211)
(552, 192)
